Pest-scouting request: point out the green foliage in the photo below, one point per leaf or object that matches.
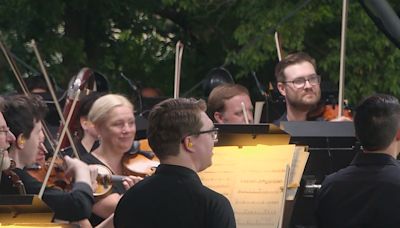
(138, 37)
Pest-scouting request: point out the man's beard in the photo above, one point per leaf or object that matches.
(300, 104)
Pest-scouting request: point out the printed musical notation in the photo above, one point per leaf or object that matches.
(252, 178)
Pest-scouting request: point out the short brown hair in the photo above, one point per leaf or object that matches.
(221, 93)
(292, 59)
(22, 112)
(170, 121)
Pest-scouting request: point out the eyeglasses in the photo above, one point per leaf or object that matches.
(301, 82)
(214, 134)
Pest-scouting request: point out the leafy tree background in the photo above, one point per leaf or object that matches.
(138, 37)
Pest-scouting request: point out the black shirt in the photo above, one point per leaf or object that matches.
(173, 197)
(71, 206)
(80, 149)
(364, 194)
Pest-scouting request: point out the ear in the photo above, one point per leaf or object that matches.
(281, 88)
(20, 143)
(82, 121)
(218, 117)
(188, 144)
(85, 123)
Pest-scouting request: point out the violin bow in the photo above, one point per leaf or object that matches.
(178, 64)
(53, 95)
(345, 8)
(278, 45)
(64, 130)
(24, 88)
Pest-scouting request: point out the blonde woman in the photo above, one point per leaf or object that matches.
(114, 121)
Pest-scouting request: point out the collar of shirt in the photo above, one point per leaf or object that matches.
(178, 171)
(374, 159)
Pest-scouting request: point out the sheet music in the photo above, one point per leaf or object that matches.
(252, 179)
(300, 158)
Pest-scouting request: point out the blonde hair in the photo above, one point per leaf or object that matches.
(102, 106)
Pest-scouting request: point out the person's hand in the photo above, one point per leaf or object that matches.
(129, 181)
(74, 166)
(93, 176)
(79, 170)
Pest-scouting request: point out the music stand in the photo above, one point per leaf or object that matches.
(331, 147)
(250, 135)
(24, 209)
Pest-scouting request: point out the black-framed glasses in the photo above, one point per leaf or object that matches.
(213, 131)
(301, 82)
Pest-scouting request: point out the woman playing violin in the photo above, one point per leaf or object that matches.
(23, 115)
(114, 121)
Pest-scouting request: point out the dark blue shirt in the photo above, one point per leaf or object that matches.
(364, 194)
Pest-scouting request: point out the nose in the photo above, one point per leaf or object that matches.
(307, 84)
(41, 136)
(128, 127)
(10, 137)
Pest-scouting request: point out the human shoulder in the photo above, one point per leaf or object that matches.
(89, 158)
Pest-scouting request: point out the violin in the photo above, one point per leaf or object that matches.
(140, 162)
(57, 177)
(17, 184)
(329, 110)
(105, 180)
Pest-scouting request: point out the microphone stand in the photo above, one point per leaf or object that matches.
(264, 94)
(136, 90)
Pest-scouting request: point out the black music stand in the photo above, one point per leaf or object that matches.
(331, 147)
(250, 135)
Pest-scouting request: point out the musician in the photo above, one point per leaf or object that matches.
(23, 115)
(229, 103)
(366, 193)
(298, 81)
(182, 136)
(114, 121)
(88, 137)
(6, 139)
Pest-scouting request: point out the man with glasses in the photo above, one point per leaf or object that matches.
(6, 139)
(299, 83)
(182, 136)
